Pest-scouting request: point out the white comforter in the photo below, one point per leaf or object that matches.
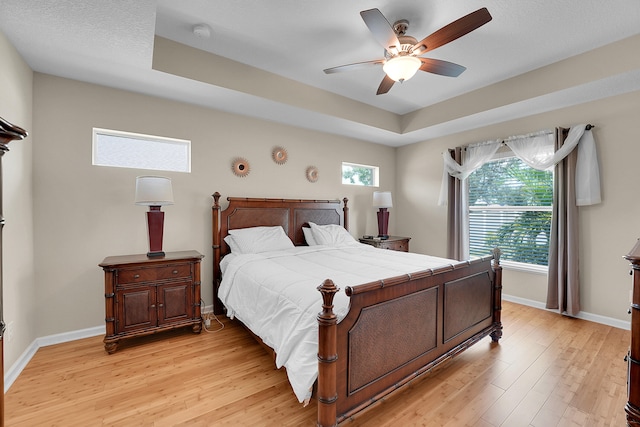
(275, 295)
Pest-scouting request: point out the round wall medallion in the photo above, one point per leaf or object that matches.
(312, 174)
(279, 155)
(240, 167)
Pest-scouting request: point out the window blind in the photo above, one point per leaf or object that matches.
(510, 207)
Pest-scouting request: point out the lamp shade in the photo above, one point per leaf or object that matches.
(401, 68)
(382, 199)
(153, 191)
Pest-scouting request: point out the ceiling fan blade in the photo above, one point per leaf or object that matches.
(385, 85)
(381, 29)
(454, 30)
(443, 68)
(354, 66)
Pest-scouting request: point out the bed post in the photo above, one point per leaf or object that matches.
(345, 211)
(327, 356)
(215, 244)
(497, 296)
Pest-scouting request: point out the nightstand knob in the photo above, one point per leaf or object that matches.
(175, 271)
(136, 276)
(153, 306)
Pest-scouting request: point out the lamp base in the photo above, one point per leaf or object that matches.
(383, 223)
(155, 225)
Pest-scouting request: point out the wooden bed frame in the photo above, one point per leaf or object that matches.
(396, 330)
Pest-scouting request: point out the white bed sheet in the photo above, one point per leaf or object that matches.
(275, 295)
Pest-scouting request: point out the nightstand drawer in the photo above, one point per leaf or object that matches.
(139, 275)
(398, 245)
(394, 243)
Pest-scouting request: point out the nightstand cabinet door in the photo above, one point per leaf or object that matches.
(136, 309)
(147, 295)
(175, 302)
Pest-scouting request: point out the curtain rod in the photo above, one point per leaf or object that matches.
(502, 140)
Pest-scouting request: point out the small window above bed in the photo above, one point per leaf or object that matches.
(356, 174)
(133, 150)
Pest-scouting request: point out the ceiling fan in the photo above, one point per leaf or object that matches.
(402, 54)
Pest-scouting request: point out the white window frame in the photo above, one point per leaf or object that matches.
(375, 174)
(527, 268)
(139, 159)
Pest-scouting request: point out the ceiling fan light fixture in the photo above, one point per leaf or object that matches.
(402, 68)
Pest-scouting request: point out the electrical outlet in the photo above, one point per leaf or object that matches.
(8, 332)
(206, 317)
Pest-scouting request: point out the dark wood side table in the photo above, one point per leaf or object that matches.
(147, 295)
(632, 408)
(394, 243)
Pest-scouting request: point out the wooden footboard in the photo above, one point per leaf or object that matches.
(399, 329)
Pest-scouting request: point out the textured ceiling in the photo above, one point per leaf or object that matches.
(112, 43)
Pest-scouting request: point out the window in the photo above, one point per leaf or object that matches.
(510, 207)
(132, 150)
(354, 174)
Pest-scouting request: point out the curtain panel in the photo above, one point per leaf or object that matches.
(563, 280)
(455, 210)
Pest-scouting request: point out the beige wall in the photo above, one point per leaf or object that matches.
(84, 213)
(16, 80)
(607, 231)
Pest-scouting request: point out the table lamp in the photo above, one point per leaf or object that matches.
(382, 200)
(154, 191)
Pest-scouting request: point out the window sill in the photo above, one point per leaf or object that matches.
(527, 268)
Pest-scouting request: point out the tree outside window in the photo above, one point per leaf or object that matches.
(355, 174)
(510, 207)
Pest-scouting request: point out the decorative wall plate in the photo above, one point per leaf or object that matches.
(279, 155)
(240, 167)
(312, 174)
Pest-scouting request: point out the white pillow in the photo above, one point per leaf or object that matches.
(232, 244)
(308, 236)
(254, 240)
(332, 235)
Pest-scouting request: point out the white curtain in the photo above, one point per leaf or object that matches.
(536, 150)
(474, 157)
(587, 171)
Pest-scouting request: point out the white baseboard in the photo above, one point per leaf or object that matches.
(19, 365)
(609, 321)
(15, 370)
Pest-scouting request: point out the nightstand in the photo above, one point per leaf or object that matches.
(147, 295)
(394, 243)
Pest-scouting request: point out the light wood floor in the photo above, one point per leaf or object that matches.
(548, 370)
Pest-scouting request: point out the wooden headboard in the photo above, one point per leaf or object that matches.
(291, 214)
